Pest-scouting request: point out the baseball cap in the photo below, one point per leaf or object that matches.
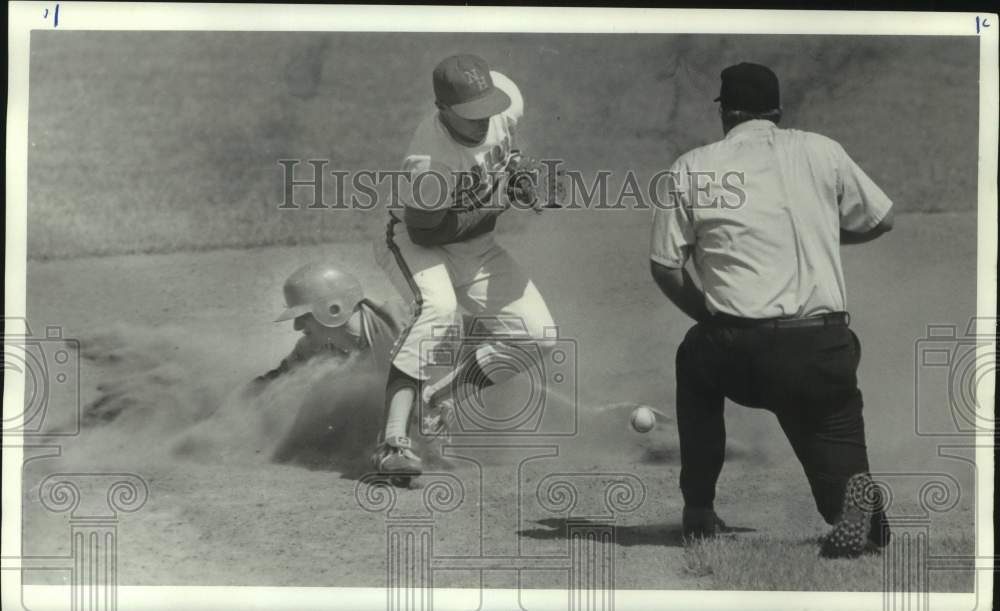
(750, 87)
(463, 83)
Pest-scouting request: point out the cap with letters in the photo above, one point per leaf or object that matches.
(463, 83)
(749, 87)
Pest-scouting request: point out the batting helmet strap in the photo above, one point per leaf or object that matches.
(321, 289)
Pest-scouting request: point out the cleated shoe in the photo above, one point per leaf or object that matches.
(880, 533)
(862, 526)
(394, 457)
(438, 420)
(701, 523)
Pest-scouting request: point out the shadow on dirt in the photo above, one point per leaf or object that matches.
(668, 535)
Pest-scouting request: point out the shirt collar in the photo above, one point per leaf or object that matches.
(751, 126)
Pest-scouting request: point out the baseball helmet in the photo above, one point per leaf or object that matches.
(323, 290)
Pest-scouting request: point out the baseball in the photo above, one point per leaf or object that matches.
(643, 419)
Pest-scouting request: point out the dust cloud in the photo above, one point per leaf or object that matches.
(168, 394)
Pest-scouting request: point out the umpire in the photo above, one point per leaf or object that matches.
(761, 215)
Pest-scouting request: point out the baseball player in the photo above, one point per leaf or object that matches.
(329, 308)
(772, 327)
(440, 252)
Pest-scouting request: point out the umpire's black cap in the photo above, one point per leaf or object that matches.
(749, 87)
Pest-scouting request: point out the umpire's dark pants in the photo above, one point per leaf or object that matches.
(807, 376)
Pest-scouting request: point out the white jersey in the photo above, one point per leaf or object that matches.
(471, 174)
(476, 276)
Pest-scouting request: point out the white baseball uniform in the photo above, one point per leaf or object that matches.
(477, 274)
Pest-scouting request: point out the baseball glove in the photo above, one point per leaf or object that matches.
(532, 184)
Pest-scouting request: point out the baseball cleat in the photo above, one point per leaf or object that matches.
(439, 417)
(394, 457)
(862, 526)
(880, 533)
(701, 523)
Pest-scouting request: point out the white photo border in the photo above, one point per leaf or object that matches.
(27, 16)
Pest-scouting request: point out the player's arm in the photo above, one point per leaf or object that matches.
(258, 384)
(671, 243)
(275, 373)
(865, 211)
(296, 356)
(681, 289)
(436, 229)
(885, 225)
(428, 213)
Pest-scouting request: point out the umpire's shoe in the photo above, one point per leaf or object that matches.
(862, 525)
(701, 523)
(394, 457)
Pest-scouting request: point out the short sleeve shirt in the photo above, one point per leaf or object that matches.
(444, 162)
(759, 214)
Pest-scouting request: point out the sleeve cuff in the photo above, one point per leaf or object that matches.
(666, 261)
(877, 217)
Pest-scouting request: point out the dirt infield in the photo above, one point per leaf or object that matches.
(168, 342)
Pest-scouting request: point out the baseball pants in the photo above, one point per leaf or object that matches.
(806, 376)
(477, 275)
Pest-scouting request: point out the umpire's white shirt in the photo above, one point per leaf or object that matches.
(776, 253)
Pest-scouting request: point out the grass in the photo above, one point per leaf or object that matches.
(167, 141)
(793, 564)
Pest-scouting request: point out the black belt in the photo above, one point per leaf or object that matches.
(833, 319)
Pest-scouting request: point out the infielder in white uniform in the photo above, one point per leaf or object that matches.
(440, 251)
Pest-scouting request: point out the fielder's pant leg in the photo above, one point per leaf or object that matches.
(700, 418)
(825, 425)
(505, 303)
(422, 275)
